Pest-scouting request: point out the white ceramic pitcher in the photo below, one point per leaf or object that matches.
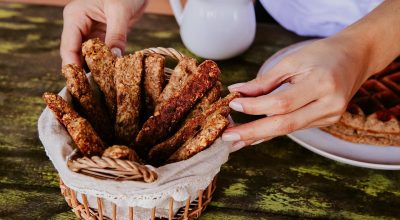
(216, 29)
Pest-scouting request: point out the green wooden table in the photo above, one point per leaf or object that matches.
(274, 180)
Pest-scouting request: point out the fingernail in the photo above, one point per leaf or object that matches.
(234, 86)
(257, 142)
(236, 106)
(117, 52)
(238, 146)
(230, 136)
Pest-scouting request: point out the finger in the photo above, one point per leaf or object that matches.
(98, 31)
(324, 122)
(259, 141)
(264, 83)
(71, 40)
(334, 107)
(76, 25)
(281, 102)
(239, 145)
(117, 18)
(137, 14)
(277, 125)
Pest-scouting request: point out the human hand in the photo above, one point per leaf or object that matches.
(322, 77)
(108, 20)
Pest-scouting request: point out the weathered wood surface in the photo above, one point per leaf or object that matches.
(274, 180)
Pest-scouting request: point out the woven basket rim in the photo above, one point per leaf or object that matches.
(167, 52)
(191, 210)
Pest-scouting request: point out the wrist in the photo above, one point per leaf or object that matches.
(375, 35)
(356, 52)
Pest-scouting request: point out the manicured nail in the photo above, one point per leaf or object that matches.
(257, 142)
(230, 136)
(234, 86)
(236, 106)
(117, 52)
(238, 146)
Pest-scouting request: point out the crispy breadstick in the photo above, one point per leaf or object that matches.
(160, 125)
(128, 77)
(79, 87)
(204, 103)
(210, 131)
(82, 133)
(100, 61)
(185, 68)
(222, 103)
(161, 152)
(121, 152)
(154, 80)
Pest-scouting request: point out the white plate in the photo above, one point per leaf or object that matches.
(362, 155)
(326, 145)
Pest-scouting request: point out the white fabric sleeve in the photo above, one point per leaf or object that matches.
(318, 17)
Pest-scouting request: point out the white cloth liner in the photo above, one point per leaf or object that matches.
(178, 180)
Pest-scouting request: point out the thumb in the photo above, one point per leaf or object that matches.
(117, 20)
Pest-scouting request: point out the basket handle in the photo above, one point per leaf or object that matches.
(109, 168)
(171, 52)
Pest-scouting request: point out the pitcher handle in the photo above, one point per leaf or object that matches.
(177, 9)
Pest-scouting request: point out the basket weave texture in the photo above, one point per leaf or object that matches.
(192, 210)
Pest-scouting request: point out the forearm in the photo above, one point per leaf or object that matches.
(375, 38)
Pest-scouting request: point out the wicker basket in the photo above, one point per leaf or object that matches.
(192, 210)
(106, 168)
